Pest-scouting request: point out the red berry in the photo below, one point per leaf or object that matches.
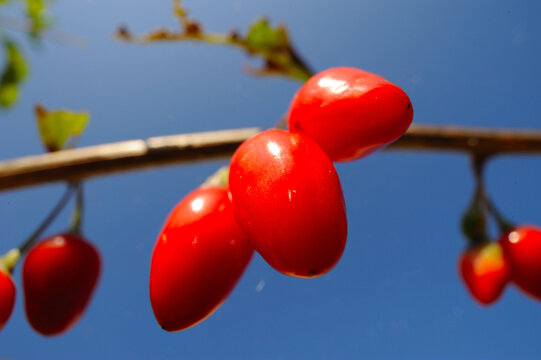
(349, 112)
(522, 249)
(288, 199)
(199, 257)
(59, 277)
(485, 272)
(7, 297)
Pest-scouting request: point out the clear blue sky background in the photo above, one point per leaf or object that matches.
(395, 294)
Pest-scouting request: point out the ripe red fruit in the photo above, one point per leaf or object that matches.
(522, 249)
(7, 296)
(485, 272)
(349, 112)
(59, 276)
(288, 199)
(199, 256)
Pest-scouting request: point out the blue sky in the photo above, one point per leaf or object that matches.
(395, 294)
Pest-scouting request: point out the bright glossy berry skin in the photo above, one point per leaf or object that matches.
(349, 112)
(7, 297)
(485, 272)
(198, 258)
(522, 249)
(288, 199)
(59, 276)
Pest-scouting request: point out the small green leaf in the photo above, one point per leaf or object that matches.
(262, 37)
(15, 71)
(17, 64)
(36, 11)
(57, 127)
(9, 93)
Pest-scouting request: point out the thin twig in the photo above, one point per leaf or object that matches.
(47, 221)
(77, 164)
(51, 34)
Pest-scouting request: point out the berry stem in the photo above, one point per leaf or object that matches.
(474, 221)
(503, 224)
(478, 167)
(219, 178)
(478, 163)
(77, 213)
(48, 220)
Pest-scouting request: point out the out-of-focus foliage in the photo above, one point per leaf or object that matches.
(36, 11)
(60, 128)
(14, 72)
(15, 68)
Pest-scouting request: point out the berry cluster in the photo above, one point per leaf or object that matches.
(488, 268)
(282, 197)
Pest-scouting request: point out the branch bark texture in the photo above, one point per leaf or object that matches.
(100, 160)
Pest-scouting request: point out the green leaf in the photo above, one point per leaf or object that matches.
(36, 10)
(262, 37)
(57, 127)
(274, 46)
(17, 68)
(9, 93)
(15, 71)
